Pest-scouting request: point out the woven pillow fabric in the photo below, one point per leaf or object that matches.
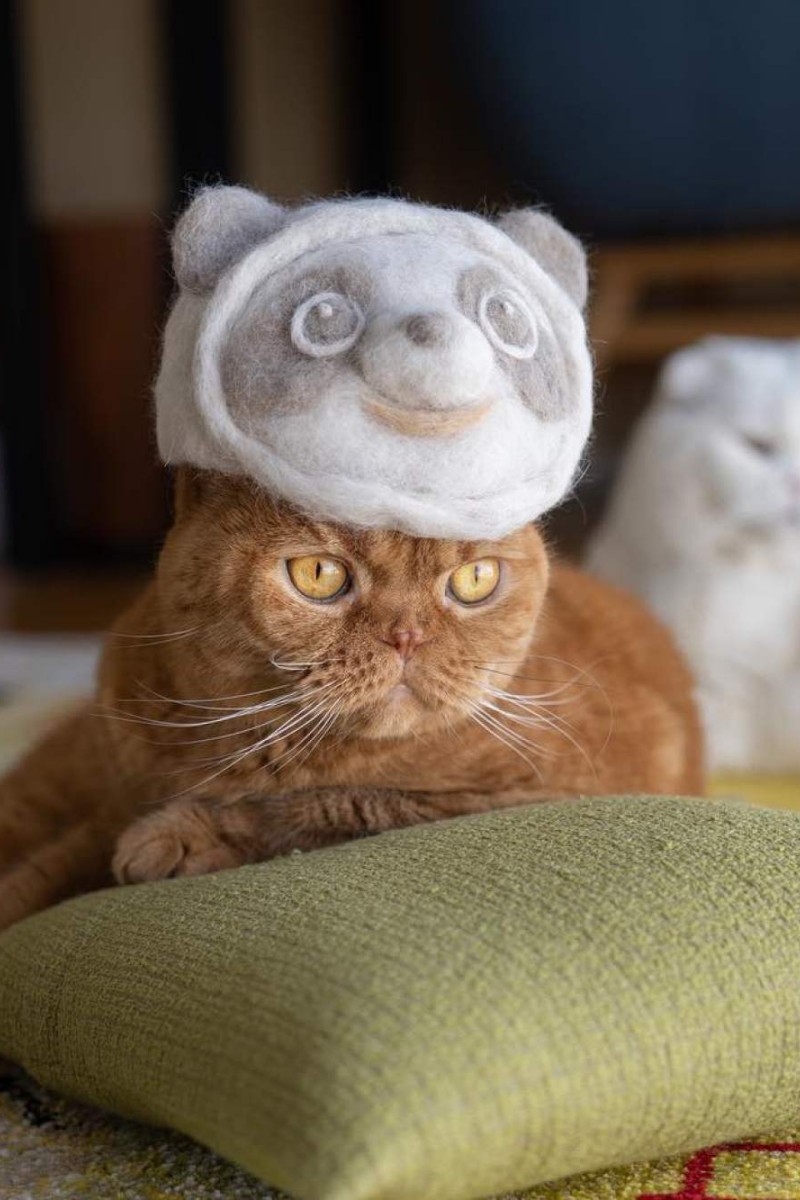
(444, 1012)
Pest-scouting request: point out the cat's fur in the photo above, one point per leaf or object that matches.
(704, 525)
(193, 673)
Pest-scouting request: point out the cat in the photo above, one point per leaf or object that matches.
(704, 525)
(288, 684)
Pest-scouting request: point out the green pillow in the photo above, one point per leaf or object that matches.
(443, 1012)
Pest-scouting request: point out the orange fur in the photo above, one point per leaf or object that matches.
(159, 772)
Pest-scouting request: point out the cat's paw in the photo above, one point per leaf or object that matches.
(177, 840)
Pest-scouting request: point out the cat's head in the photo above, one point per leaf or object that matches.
(379, 363)
(386, 634)
(737, 402)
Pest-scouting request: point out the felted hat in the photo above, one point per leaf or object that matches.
(379, 363)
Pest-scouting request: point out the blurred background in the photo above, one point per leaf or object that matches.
(665, 135)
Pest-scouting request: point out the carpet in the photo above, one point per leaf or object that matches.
(51, 1149)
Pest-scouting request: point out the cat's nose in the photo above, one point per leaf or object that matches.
(405, 641)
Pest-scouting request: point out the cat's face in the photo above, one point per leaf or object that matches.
(387, 634)
(742, 398)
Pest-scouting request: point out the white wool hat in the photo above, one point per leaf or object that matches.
(379, 363)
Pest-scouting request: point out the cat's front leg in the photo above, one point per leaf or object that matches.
(184, 837)
(194, 836)
(200, 834)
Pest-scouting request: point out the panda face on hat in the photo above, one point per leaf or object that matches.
(379, 363)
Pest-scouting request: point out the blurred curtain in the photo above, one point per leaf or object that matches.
(631, 117)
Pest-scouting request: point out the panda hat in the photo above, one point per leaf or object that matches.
(379, 363)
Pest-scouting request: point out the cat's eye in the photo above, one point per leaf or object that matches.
(507, 322)
(475, 581)
(759, 444)
(326, 324)
(318, 578)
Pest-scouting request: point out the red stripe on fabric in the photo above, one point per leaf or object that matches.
(699, 1170)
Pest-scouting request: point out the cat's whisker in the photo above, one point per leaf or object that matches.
(531, 721)
(557, 725)
(526, 701)
(528, 722)
(293, 724)
(481, 718)
(513, 734)
(539, 718)
(323, 721)
(236, 714)
(316, 737)
(583, 673)
(550, 658)
(303, 698)
(561, 725)
(563, 684)
(536, 700)
(218, 737)
(587, 670)
(496, 713)
(535, 708)
(593, 682)
(232, 709)
(153, 639)
(231, 761)
(302, 666)
(502, 716)
(209, 702)
(535, 712)
(214, 707)
(562, 662)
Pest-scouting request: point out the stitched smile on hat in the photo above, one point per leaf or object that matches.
(426, 424)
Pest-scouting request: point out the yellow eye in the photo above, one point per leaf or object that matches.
(318, 578)
(475, 581)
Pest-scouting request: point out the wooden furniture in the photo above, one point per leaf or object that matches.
(650, 299)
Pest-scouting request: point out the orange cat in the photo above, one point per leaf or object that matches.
(286, 684)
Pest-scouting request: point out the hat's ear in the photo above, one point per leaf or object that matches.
(558, 252)
(219, 227)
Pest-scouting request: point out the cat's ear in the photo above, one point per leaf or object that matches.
(220, 225)
(558, 252)
(688, 374)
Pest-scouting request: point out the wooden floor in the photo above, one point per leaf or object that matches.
(65, 601)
